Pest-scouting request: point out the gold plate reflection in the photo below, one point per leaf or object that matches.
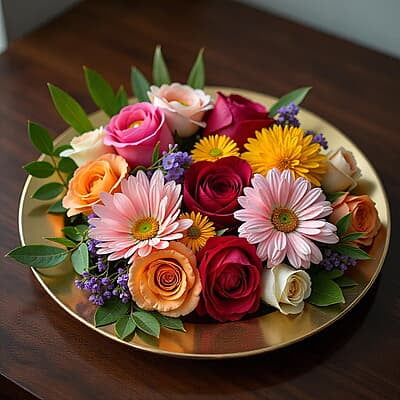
(228, 340)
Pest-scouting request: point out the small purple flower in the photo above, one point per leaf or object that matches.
(332, 259)
(168, 162)
(318, 138)
(287, 115)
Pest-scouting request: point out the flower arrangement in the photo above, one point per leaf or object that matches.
(187, 205)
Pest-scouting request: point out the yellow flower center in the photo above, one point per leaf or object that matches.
(285, 163)
(145, 228)
(284, 219)
(194, 232)
(215, 152)
(136, 124)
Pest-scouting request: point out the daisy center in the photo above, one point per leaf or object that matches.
(136, 124)
(284, 219)
(285, 163)
(194, 232)
(215, 152)
(145, 228)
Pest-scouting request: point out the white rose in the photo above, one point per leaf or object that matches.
(342, 174)
(285, 288)
(87, 147)
(184, 107)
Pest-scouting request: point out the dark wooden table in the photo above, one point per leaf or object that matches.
(45, 353)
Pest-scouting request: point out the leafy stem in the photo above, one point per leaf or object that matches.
(64, 182)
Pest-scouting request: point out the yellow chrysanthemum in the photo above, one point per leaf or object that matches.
(197, 235)
(214, 147)
(286, 148)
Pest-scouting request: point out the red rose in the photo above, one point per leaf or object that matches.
(213, 188)
(236, 117)
(230, 273)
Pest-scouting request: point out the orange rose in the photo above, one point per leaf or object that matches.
(101, 175)
(166, 281)
(364, 216)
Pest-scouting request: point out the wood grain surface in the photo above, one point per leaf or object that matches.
(45, 353)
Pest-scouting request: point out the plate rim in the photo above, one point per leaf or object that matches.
(230, 355)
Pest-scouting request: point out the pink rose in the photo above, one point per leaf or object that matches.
(184, 107)
(136, 130)
(236, 117)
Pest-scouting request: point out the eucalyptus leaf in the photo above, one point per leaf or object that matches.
(140, 85)
(61, 148)
(352, 236)
(39, 169)
(67, 165)
(72, 233)
(80, 258)
(156, 153)
(48, 191)
(40, 138)
(343, 282)
(169, 322)
(160, 70)
(110, 312)
(343, 224)
(70, 110)
(125, 326)
(325, 292)
(332, 197)
(122, 98)
(39, 256)
(352, 251)
(61, 240)
(296, 97)
(147, 323)
(57, 208)
(197, 74)
(101, 92)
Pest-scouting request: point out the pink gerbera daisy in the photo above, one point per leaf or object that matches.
(143, 217)
(283, 217)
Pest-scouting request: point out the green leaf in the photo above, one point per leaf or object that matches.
(39, 256)
(332, 274)
(352, 251)
(101, 92)
(197, 75)
(67, 165)
(140, 85)
(61, 148)
(48, 191)
(352, 236)
(147, 323)
(160, 70)
(61, 240)
(125, 326)
(296, 97)
(220, 232)
(332, 197)
(343, 282)
(70, 110)
(325, 292)
(72, 233)
(82, 229)
(40, 138)
(39, 169)
(122, 98)
(156, 153)
(57, 208)
(80, 258)
(343, 224)
(112, 310)
(169, 322)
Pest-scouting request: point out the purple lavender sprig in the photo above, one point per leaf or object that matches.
(318, 138)
(287, 115)
(332, 259)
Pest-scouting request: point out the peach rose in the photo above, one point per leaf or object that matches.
(101, 175)
(87, 147)
(364, 216)
(166, 281)
(184, 107)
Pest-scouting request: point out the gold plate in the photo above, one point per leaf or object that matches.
(228, 340)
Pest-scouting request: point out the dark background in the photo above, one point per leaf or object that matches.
(45, 351)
